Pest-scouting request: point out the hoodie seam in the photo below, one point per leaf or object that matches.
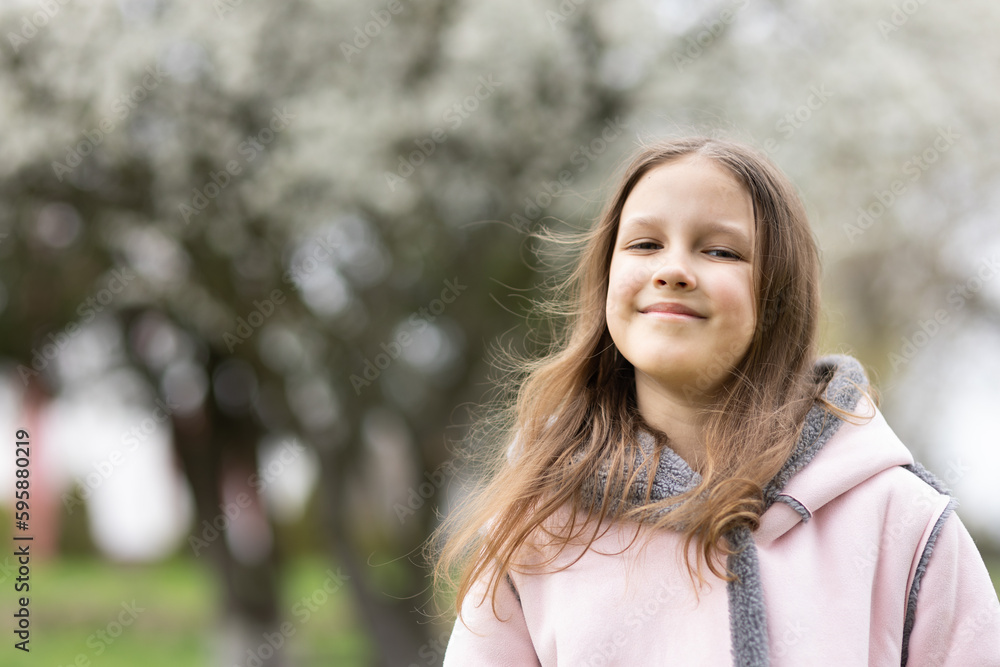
(513, 588)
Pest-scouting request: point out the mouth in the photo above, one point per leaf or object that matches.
(672, 311)
(677, 317)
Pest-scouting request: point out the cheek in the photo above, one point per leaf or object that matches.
(743, 308)
(620, 297)
(624, 282)
(735, 298)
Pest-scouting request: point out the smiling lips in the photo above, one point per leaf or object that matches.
(672, 310)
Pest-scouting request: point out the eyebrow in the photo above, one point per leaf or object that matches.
(712, 227)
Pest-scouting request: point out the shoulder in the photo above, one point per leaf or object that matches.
(909, 482)
(864, 476)
(915, 503)
(908, 496)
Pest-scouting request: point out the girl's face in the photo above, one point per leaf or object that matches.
(680, 293)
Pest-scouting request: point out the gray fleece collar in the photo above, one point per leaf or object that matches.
(844, 391)
(674, 476)
(747, 614)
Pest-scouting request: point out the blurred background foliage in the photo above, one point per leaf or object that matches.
(253, 257)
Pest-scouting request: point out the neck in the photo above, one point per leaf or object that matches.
(675, 413)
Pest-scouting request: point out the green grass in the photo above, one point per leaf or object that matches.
(330, 635)
(72, 600)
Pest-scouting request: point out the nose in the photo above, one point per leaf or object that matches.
(674, 270)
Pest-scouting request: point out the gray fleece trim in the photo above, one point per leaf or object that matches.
(929, 477)
(747, 616)
(673, 477)
(911, 600)
(820, 425)
(795, 505)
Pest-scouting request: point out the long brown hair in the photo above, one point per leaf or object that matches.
(574, 411)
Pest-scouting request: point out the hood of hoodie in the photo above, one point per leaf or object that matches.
(841, 454)
(831, 456)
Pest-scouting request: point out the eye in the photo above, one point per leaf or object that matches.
(638, 246)
(724, 253)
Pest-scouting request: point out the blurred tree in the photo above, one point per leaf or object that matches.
(288, 205)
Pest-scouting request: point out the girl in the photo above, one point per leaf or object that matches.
(686, 483)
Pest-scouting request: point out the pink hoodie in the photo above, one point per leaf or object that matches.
(860, 562)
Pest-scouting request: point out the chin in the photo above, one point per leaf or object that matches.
(683, 371)
(668, 373)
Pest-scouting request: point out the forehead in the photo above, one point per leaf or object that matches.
(692, 189)
(641, 225)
